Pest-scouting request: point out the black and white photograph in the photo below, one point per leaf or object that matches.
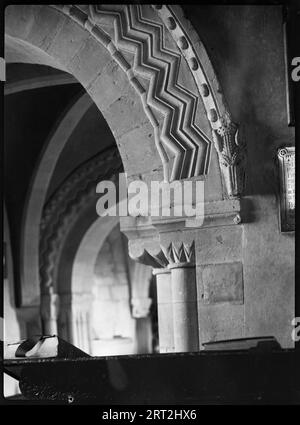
(148, 207)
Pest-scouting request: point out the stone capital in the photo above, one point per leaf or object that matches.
(140, 307)
(162, 242)
(161, 256)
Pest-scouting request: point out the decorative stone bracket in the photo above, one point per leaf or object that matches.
(231, 150)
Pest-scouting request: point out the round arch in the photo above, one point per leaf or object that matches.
(147, 71)
(77, 301)
(66, 205)
(37, 83)
(125, 306)
(30, 284)
(83, 269)
(149, 74)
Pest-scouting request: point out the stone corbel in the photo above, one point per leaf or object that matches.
(231, 151)
(164, 256)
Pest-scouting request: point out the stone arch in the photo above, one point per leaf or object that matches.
(149, 74)
(30, 286)
(74, 49)
(65, 292)
(78, 303)
(38, 82)
(82, 279)
(146, 59)
(62, 210)
(11, 327)
(74, 318)
(88, 250)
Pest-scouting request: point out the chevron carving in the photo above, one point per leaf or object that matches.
(153, 61)
(63, 208)
(140, 30)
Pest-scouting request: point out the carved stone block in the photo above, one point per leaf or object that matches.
(221, 283)
(220, 321)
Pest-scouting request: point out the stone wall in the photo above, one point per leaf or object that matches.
(248, 272)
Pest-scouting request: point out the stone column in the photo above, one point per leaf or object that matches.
(140, 278)
(184, 300)
(172, 256)
(181, 263)
(49, 312)
(164, 310)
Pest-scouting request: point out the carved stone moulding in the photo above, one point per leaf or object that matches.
(170, 106)
(231, 150)
(216, 213)
(153, 74)
(225, 133)
(159, 256)
(64, 207)
(161, 242)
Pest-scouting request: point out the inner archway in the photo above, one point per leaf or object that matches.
(104, 291)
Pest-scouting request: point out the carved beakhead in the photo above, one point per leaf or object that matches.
(231, 150)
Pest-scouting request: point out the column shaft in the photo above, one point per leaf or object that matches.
(164, 310)
(185, 316)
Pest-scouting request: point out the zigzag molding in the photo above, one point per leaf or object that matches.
(229, 144)
(145, 38)
(177, 104)
(62, 210)
(152, 60)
